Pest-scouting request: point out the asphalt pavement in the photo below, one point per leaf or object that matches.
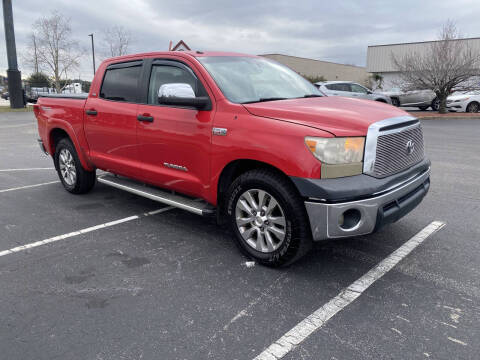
(172, 285)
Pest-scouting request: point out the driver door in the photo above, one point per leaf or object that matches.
(174, 141)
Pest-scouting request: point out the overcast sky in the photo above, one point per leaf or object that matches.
(338, 31)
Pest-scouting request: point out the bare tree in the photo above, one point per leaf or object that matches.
(53, 48)
(30, 55)
(116, 41)
(447, 64)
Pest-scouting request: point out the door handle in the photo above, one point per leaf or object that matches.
(92, 112)
(145, 118)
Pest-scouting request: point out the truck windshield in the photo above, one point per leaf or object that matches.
(251, 79)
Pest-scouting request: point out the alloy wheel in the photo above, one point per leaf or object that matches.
(260, 220)
(67, 167)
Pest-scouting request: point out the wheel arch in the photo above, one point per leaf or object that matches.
(56, 134)
(233, 170)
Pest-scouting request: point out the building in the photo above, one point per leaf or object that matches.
(379, 58)
(317, 68)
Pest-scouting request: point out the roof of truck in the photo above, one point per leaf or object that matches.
(180, 53)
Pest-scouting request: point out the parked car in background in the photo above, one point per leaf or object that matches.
(464, 102)
(5, 95)
(423, 99)
(350, 89)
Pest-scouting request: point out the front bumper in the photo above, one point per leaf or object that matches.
(456, 107)
(331, 219)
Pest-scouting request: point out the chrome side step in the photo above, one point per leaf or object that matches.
(156, 194)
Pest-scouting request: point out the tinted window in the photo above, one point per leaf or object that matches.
(339, 87)
(121, 84)
(166, 74)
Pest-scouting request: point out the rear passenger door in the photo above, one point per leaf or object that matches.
(174, 141)
(111, 120)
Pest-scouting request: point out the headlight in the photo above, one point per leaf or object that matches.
(337, 150)
(462, 99)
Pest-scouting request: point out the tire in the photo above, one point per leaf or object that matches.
(473, 107)
(395, 102)
(75, 179)
(423, 108)
(435, 104)
(257, 235)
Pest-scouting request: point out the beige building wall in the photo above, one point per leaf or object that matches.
(379, 57)
(329, 70)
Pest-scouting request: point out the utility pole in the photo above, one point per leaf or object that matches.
(93, 53)
(15, 92)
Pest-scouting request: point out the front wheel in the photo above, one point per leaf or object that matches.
(74, 177)
(435, 104)
(268, 218)
(473, 107)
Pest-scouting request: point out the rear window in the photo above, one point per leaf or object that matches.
(120, 84)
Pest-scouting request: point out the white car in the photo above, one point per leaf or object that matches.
(350, 89)
(464, 102)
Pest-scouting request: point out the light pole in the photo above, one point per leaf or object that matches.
(93, 53)
(14, 77)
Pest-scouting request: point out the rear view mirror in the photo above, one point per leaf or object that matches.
(181, 94)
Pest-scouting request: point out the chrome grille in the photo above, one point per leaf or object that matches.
(392, 154)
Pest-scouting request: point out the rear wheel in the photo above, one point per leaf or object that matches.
(435, 104)
(395, 102)
(268, 218)
(473, 107)
(74, 177)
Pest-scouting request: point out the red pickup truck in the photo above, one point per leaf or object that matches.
(244, 139)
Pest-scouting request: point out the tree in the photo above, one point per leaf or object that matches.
(39, 79)
(116, 41)
(314, 79)
(447, 64)
(55, 50)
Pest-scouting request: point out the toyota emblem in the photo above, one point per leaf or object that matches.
(410, 147)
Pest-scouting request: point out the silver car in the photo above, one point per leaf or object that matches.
(423, 99)
(350, 89)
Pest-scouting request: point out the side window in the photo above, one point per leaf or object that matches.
(331, 87)
(344, 87)
(168, 74)
(358, 89)
(120, 84)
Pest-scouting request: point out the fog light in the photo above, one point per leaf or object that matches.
(349, 219)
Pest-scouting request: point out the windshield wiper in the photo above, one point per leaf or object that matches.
(264, 100)
(312, 95)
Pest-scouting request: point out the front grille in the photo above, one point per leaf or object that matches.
(392, 155)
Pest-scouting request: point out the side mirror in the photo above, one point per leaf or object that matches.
(181, 94)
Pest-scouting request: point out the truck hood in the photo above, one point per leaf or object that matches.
(337, 115)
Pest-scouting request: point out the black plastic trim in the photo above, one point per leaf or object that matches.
(356, 187)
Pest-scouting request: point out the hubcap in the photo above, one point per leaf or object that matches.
(473, 108)
(67, 167)
(260, 220)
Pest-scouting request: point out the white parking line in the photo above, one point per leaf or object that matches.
(80, 232)
(320, 317)
(26, 169)
(29, 186)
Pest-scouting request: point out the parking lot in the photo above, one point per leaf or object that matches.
(126, 281)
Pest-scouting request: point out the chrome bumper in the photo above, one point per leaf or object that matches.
(354, 218)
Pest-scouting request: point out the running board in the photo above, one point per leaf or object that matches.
(156, 194)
